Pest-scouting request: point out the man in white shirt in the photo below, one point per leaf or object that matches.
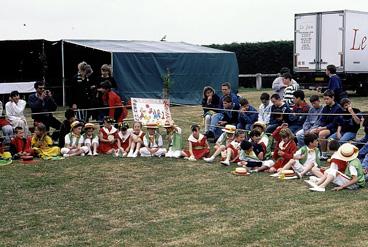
(264, 110)
(278, 85)
(14, 111)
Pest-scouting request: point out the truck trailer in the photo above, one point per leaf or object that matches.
(334, 37)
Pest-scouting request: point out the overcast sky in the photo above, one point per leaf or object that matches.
(193, 21)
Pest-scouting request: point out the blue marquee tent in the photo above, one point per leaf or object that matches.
(140, 65)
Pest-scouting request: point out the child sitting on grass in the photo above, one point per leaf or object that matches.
(20, 145)
(345, 171)
(285, 147)
(306, 159)
(222, 142)
(233, 149)
(125, 136)
(265, 141)
(174, 139)
(42, 144)
(249, 159)
(198, 147)
(152, 142)
(90, 139)
(137, 140)
(108, 137)
(74, 141)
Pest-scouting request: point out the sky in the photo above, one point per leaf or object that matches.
(194, 21)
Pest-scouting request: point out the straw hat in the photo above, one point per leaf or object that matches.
(89, 126)
(260, 124)
(229, 129)
(169, 124)
(151, 126)
(346, 152)
(76, 124)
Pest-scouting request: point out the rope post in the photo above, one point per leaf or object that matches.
(259, 81)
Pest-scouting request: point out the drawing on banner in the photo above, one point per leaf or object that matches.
(151, 111)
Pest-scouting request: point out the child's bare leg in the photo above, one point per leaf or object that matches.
(328, 180)
(288, 165)
(316, 172)
(307, 168)
(94, 148)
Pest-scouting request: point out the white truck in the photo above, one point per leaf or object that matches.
(334, 37)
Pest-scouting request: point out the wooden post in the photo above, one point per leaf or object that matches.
(259, 81)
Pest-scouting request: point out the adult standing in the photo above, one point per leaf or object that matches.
(106, 75)
(15, 111)
(42, 104)
(81, 93)
(278, 85)
(113, 101)
(335, 83)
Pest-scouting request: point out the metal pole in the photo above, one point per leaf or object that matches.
(62, 70)
(112, 63)
(259, 81)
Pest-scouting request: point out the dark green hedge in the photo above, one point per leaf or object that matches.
(261, 57)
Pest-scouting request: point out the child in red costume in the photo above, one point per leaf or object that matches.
(285, 147)
(108, 135)
(20, 144)
(198, 145)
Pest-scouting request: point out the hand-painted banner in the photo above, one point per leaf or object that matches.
(151, 111)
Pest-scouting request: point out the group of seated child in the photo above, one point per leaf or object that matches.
(249, 149)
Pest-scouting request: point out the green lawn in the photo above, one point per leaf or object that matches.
(103, 201)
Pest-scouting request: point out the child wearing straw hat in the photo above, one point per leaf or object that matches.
(153, 144)
(175, 140)
(108, 137)
(345, 171)
(224, 140)
(90, 139)
(74, 141)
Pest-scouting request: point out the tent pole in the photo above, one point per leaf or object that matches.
(62, 70)
(112, 63)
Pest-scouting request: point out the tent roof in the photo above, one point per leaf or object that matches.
(133, 46)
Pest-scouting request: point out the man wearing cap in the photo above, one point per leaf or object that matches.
(74, 141)
(345, 171)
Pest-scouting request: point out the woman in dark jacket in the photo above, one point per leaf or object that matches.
(210, 100)
(82, 89)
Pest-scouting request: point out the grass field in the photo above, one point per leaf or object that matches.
(102, 201)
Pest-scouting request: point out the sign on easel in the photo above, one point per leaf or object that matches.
(151, 111)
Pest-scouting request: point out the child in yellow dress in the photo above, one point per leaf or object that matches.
(42, 144)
